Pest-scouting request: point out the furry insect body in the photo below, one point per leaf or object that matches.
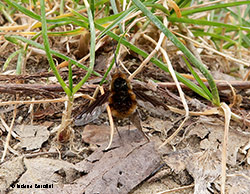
(122, 100)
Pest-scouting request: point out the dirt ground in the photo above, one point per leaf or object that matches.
(190, 163)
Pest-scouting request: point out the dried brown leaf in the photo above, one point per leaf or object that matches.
(31, 136)
(95, 134)
(128, 162)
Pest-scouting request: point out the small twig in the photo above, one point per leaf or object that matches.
(39, 154)
(15, 88)
(40, 89)
(9, 134)
(33, 101)
(44, 101)
(7, 127)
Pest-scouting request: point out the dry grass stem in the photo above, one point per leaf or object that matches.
(212, 111)
(31, 112)
(173, 76)
(213, 50)
(100, 43)
(13, 28)
(135, 22)
(111, 122)
(169, 139)
(65, 133)
(32, 102)
(227, 113)
(201, 5)
(243, 175)
(190, 44)
(245, 78)
(6, 145)
(97, 89)
(123, 66)
(176, 189)
(139, 69)
(171, 70)
(234, 95)
(7, 128)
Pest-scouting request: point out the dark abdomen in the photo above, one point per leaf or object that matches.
(122, 103)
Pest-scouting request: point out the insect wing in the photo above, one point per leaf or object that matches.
(86, 118)
(93, 111)
(150, 103)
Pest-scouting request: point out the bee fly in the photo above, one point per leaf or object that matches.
(121, 99)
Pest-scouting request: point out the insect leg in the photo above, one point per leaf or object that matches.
(118, 131)
(135, 119)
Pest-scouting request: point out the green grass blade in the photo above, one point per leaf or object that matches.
(179, 44)
(101, 2)
(70, 77)
(113, 17)
(92, 7)
(246, 40)
(157, 6)
(157, 62)
(117, 20)
(19, 62)
(127, 12)
(14, 39)
(244, 22)
(62, 2)
(208, 23)
(6, 64)
(197, 78)
(213, 7)
(115, 10)
(5, 13)
(33, 15)
(47, 49)
(219, 37)
(114, 59)
(23, 10)
(108, 18)
(92, 48)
